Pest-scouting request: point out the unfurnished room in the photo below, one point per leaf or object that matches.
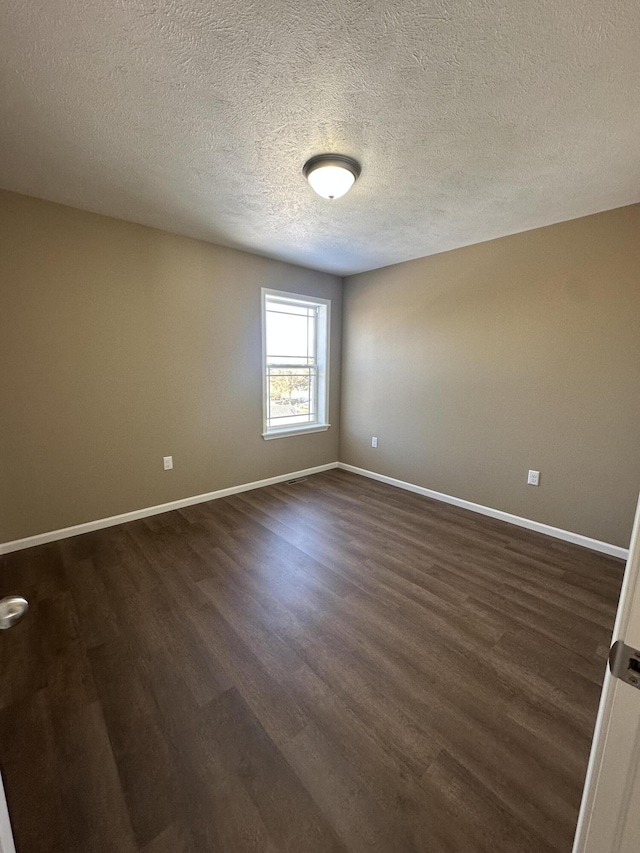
(320, 426)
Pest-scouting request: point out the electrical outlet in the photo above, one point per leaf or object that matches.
(374, 441)
(167, 462)
(534, 478)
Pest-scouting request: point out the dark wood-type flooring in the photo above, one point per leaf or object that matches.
(335, 665)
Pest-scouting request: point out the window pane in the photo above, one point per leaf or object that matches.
(290, 336)
(291, 396)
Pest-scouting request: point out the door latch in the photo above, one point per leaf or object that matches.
(624, 663)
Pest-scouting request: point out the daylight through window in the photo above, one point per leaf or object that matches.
(296, 337)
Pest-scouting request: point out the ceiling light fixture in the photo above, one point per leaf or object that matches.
(331, 175)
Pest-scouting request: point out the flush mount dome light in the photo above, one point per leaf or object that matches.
(331, 175)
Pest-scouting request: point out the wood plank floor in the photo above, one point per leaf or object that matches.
(335, 665)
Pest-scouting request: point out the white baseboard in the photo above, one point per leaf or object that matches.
(98, 524)
(556, 532)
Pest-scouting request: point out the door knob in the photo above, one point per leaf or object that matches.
(12, 609)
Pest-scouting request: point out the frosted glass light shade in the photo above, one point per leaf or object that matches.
(331, 181)
(331, 175)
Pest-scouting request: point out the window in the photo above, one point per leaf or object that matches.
(296, 363)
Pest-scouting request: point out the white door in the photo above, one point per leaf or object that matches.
(609, 819)
(6, 838)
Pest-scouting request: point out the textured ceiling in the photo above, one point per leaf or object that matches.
(472, 118)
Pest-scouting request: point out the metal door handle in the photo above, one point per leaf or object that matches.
(12, 609)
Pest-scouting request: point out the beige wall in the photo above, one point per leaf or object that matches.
(120, 344)
(475, 365)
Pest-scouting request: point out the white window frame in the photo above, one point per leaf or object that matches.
(323, 331)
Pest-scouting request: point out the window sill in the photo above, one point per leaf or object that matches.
(295, 430)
